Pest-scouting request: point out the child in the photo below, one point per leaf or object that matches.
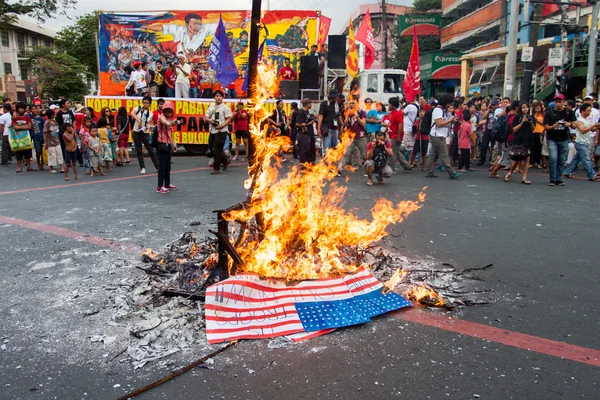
(84, 137)
(240, 123)
(104, 135)
(52, 142)
(70, 150)
(464, 142)
(94, 152)
(22, 122)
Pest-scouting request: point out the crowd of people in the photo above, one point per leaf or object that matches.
(448, 133)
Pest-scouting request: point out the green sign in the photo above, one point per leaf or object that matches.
(427, 25)
(440, 65)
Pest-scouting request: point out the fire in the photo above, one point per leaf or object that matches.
(394, 280)
(302, 216)
(426, 296)
(149, 255)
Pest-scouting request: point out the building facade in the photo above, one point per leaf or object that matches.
(15, 71)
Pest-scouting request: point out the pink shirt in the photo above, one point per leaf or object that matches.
(464, 135)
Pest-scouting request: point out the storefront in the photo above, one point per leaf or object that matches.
(440, 71)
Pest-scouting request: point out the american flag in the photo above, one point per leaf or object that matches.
(248, 307)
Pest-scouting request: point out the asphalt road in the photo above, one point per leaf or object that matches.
(542, 241)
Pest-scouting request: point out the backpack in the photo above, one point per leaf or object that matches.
(379, 156)
(426, 123)
(500, 129)
(154, 137)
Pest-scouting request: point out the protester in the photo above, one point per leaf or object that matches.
(486, 140)
(583, 141)
(94, 152)
(122, 132)
(355, 121)
(464, 142)
(557, 122)
(22, 122)
(305, 134)
(292, 124)
(538, 137)
(52, 142)
(421, 138)
(70, 150)
(170, 80)
(523, 125)
(241, 120)
(5, 124)
(141, 131)
(287, 73)
(64, 116)
(165, 148)
(379, 152)
(329, 121)
(374, 119)
(218, 116)
(37, 135)
(396, 134)
(182, 84)
(84, 138)
(411, 114)
(442, 124)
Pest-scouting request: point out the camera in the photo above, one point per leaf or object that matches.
(216, 119)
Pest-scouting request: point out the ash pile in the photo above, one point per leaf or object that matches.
(164, 309)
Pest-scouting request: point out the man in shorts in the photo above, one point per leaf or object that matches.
(379, 151)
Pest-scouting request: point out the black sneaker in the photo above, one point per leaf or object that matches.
(552, 183)
(430, 176)
(560, 183)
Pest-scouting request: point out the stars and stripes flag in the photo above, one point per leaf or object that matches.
(248, 307)
(412, 80)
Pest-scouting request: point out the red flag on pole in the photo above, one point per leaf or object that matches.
(365, 36)
(412, 81)
(324, 24)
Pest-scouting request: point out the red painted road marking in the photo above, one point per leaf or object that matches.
(509, 338)
(68, 185)
(68, 233)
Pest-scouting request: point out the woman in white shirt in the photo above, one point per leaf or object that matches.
(182, 84)
(582, 142)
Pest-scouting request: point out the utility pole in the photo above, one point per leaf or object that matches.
(592, 50)
(384, 32)
(534, 31)
(511, 57)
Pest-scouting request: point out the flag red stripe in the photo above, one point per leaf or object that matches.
(235, 309)
(364, 287)
(250, 327)
(230, 338)
(250, 317)
(298, 297)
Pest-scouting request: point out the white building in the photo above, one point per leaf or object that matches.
(15, 73)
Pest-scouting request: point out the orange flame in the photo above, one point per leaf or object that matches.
(424, 295)
(394, 280)
(305, 224)
(149, 254)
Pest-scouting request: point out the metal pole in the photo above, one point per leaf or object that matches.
(534, 30)
(511, 59)
(252, 66)
(384, 32)
(97, 61)
(592, 50)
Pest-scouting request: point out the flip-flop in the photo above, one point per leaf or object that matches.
(370, 183)
(526, 182)
(507, 177)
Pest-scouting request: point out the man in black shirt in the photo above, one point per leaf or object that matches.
(329, 121)
(557, 122)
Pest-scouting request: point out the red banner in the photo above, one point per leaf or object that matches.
(412, 81)
(365, 36)
(324, 24)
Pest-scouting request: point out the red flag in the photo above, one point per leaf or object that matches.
(324, 24)
(365, 36)
(412, 81)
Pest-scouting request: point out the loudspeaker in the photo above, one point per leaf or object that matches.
(336, 52)
(289, 90)
(309, 72)
(312, 94)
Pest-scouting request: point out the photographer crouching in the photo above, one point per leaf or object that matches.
(379, 152)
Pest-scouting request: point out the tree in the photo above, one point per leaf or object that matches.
(58, 75)
(403, 44)
(78, 41)
(41, 10)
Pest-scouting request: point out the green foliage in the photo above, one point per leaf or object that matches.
(58, 75)
(403, 44)
(41, 10)
(78, 41)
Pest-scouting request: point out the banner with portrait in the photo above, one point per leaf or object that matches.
(157, 38)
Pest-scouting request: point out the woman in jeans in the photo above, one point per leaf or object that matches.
(165, 148)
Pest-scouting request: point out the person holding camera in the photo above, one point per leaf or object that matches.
(218, 116)
(305, 134)
(379, 151)
(557, 122)
(165, 147)
(355, 121)
(523, 125)
(142, 126)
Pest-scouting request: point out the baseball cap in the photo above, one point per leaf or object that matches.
(495, 102)
(559, 96)
(136, 64)
(53, 107)
(588, 98)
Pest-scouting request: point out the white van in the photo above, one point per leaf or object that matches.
(381, 84)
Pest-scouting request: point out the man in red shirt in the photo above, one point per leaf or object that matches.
(396, 134)
(22, 122)
(287, 73)
(158, 112)
(170, 78)
(240, 124)
(194, 82)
